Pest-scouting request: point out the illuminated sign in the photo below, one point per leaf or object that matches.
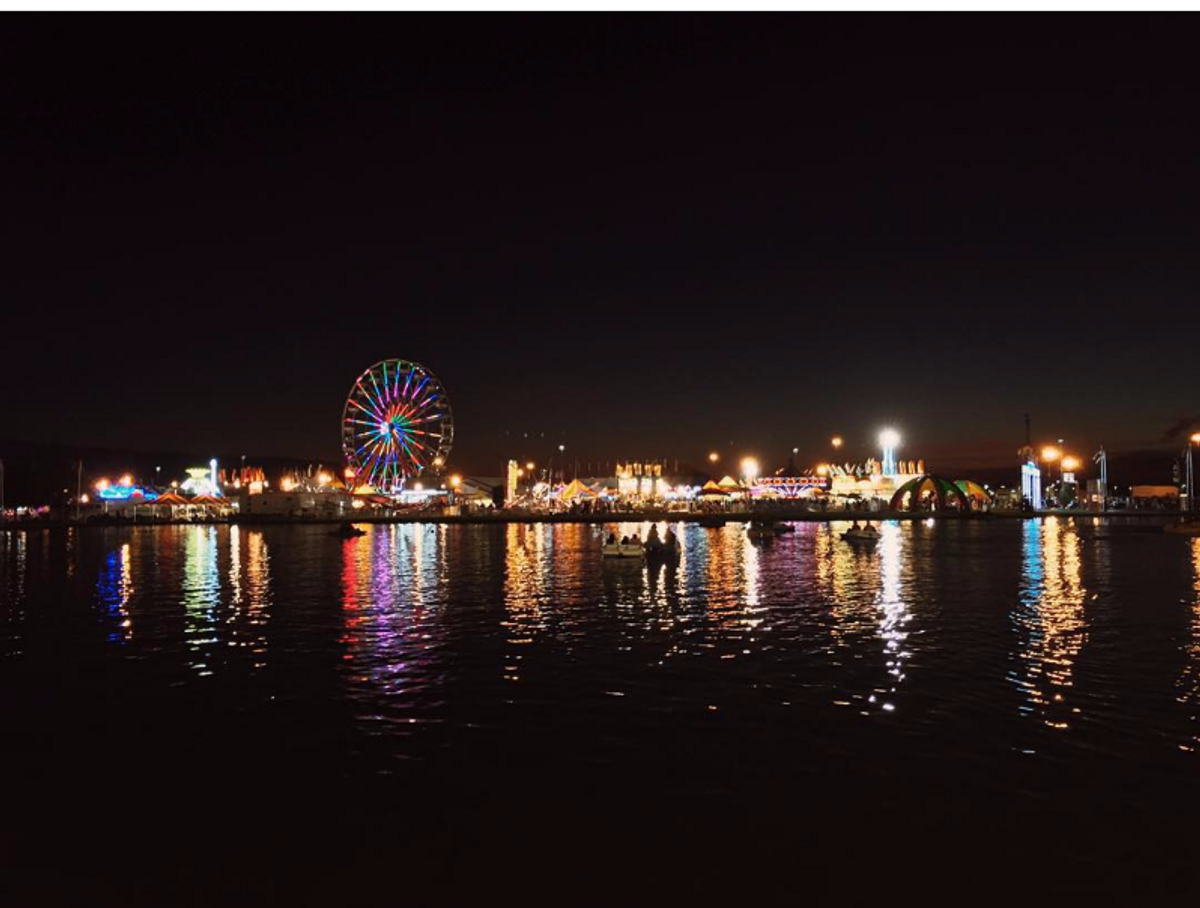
(790, 486)
(1031, 484)
(125, 493)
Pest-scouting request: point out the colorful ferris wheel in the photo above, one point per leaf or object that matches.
(396, 424)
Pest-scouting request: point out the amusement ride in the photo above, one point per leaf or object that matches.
(396, 424)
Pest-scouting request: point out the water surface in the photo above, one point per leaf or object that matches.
(458, 704)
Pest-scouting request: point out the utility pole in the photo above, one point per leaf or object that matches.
(1101, 457)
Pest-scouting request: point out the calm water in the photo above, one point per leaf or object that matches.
(438, 709)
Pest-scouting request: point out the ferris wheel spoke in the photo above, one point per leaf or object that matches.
(396, 422)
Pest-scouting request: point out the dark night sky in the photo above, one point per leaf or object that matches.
(646, 236)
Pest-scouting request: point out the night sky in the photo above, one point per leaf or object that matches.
(642, 236)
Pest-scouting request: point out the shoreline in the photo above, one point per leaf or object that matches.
(507, 517)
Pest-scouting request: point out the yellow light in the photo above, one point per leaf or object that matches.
(836, 441)
(126, 480)
(348, 473)
(1070, 464)
(288, 484)
(822, 469)
(438, 461)
(1195, 439)
(714, 457)
(83, 499)
(323, 478)
(750, 468)
(101, 485)
(520, 472)
(455, 481)
(1051, 453)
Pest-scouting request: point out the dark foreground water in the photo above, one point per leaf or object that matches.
(226, 715)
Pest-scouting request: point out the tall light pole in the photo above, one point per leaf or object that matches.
(889, 440)
(1049, 455)
(1101, 457)
(1193, 440)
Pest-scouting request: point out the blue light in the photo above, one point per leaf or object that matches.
(124, 493)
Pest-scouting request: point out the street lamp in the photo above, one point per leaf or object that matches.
(713, 457)
(836, 441)
(750, 469)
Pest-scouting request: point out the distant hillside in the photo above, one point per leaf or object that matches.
(37, 474)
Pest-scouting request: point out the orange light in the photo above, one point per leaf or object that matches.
(455, 481)
(714, 457)
(529, 466)
(126, 480)
(1070, 464)
(1195, 439)
(101, 485)
(1051, 453)
(836, 441)
(822, 469)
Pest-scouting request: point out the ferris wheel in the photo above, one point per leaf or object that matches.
(396, 423)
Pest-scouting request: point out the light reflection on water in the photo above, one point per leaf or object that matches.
(391, 613)
(429, 624)
(1050, 620)
(1189, 678)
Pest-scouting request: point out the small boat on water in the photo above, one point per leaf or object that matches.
(760, 529)
(622, 550)
(1187, 528)
(779, 528)
(867, 535)
(348, 531)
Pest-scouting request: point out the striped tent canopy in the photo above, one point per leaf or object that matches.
(170, 498)
(974, 491)
(929, 493)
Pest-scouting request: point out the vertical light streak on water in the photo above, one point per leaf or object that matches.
(1189, 679)
(13, 554)
(1050, 621)
(893, 610)
(847, 577)
(523, 580)
(235, 567)
(115, 588)
(201, 596)
(390, 606)
(258, 596)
